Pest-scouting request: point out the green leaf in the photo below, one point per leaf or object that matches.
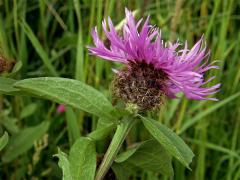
(23, 141)
(28, 110)
(101, 133)
(148, 155)
(127, 154)
(104, 122)
(6, 86)
(82, 158)
(3, 140)
(72, 123)
(121, 171)
(16, 69)
(169, 140)
(64, 164)
(10, 124)
(70, 92)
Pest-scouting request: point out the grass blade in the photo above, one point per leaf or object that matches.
(206, 112)
(38, 47)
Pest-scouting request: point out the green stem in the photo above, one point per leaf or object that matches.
(114, 147)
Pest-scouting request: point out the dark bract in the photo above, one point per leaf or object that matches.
(141, 84)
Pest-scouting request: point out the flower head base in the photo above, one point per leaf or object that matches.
(153, 69)
(140, 83)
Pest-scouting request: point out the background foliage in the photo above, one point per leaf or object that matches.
(49, 38)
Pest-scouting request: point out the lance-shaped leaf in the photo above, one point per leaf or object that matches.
(6, 86)
(23, 141)
(70, 92)
(101, 133)
(64, 165)
(148, 155)
(169, 140)
(82, 158)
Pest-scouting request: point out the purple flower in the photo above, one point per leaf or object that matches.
(152, 65)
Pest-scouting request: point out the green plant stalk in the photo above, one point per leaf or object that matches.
(122, 130)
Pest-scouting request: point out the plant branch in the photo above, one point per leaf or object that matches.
(114, 147)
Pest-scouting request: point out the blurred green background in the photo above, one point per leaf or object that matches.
(50, 37)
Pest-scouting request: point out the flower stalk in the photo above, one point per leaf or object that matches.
(122, 131)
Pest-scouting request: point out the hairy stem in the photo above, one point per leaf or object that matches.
(114, 147)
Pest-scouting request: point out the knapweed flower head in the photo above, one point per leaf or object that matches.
(153, 69)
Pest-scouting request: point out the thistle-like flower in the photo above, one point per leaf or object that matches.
(153, 69)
